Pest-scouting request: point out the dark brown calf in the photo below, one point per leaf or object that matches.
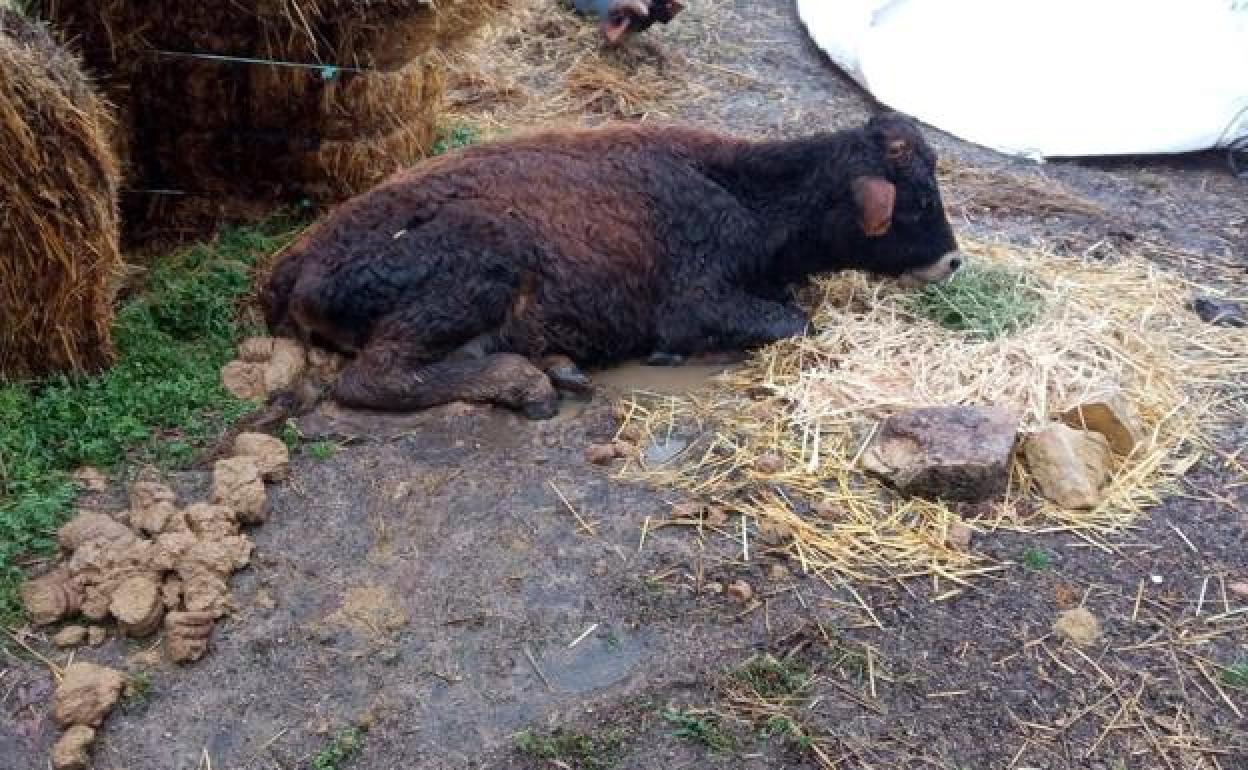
(451, 279)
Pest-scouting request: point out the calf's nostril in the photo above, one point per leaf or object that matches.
(954, 264)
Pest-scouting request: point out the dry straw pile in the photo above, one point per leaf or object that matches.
(542, 63)
(59, 258)
(269, 99)
(813, 403)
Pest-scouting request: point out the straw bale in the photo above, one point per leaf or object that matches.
(59, 255)
(231, 101)
(205, 95)
(115, 35)
(275, 165)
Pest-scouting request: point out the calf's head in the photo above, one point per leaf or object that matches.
(900, 227)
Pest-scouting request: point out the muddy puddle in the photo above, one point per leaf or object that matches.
(636, 376)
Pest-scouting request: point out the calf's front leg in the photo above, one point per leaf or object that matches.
(386, 376)
(732, 321)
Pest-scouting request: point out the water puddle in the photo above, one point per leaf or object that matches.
(665, 380)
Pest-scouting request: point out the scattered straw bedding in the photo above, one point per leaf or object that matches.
(59, 254)
(1106, 326)
(542, 63)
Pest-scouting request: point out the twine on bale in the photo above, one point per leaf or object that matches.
(59, 257)
(300, 101)
(1109, 327)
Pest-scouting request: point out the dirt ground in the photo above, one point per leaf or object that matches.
(429, 585)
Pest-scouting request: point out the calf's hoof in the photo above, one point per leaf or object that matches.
(565, 375)
(572, 380)
(542, 408)
(665, 359)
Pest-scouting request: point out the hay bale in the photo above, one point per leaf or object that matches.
(59, 255)
(274, 126)
(278, 164)
(371, 34)
(196, 95)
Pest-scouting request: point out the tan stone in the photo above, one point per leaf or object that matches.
(236, 482)
(1078, 626)
(51, 597)
(1070, 466)
(1114, 418)
(86, 694)
(73, 750)
(138, 606)
(96, 635)
(270, 453)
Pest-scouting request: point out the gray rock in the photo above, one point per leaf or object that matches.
(950, 453)
(1219, 312)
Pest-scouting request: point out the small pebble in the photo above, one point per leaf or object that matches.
(826, 510)
(741, 591)
(714, 587)
(1240, 588)
(96, 635)
(769, 463)
(600, 454)
(779, 573)
(960, 536)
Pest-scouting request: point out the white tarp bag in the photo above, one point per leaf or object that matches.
(1058, 78)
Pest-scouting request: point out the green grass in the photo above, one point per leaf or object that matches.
(785, 728)
(703, 729)
(771, 679)
(455, 137)
(572, 749)
(343, 747)
(1037, 560)
(322, 450)
(1236, 675)
(160, 402)
(138, 691)
(984, 302)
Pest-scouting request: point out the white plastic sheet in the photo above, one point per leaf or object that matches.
(1052, 78)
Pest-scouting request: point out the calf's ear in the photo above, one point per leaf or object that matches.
(875, 198)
